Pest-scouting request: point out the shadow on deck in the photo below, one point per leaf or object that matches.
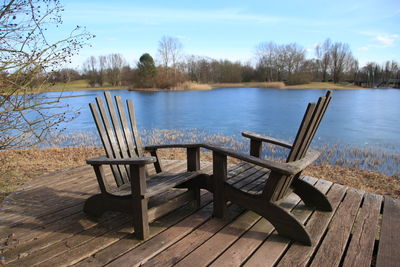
(43, 224)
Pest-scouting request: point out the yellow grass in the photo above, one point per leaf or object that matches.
(79, 85)
(192, 86)
(82, 85)
(278, 85)
(324, 85)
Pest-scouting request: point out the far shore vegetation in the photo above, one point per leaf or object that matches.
(285, 66)
(83, 85)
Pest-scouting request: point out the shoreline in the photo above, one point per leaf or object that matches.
(81, 86)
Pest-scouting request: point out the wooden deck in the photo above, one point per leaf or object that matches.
(43, 224)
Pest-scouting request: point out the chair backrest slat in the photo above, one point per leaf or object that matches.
(138, 141)
(301, 133)
(120, 140)
(308, 127)
(126, 129)
(106, 142)
(324, 105)
(309, 130)
(116, 125)
(112, 138)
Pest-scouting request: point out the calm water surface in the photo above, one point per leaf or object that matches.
(361, 118)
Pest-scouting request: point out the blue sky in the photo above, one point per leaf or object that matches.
(232, 29)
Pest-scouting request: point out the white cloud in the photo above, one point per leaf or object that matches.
(386, 40)
(379, 40)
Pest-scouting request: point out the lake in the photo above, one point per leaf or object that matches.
(360, 118)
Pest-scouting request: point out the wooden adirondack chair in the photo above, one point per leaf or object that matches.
(283, 178)
(133, 187)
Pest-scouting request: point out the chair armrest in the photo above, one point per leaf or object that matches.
(155, 147)
(103, 160)
(281, 167)
(267, 139)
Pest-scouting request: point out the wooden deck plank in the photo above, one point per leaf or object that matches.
(192, 241)
(204, 255)
(75, 236)
(389, 252)
(249, 242)
(84, 250)
(142, 253)
(46, 215)
(335, 241)
(274, 245)
(298, 254)
(199, 236)
(55, 232)
(100, 257)
(360, 249)
(48, 204)
(169, 236)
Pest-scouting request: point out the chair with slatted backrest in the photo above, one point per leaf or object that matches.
(284, 178)
(133, 186)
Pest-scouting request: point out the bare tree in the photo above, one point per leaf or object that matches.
(26, 58)
(115, 64)
(170, 51)
(341, 57)
(90, 71)
(102, 69)
(266, 54)
(323, 53)
(292, 58)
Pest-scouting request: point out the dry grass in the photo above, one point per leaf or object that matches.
(21, 166)
(278, 85)
(79, 85)
(192, 86)
(324, 85)
(82, 85)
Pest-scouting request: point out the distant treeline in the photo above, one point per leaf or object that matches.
(287, 63)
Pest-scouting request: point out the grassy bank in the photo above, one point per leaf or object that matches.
(22, 166)
(79, 85)
(82, 85)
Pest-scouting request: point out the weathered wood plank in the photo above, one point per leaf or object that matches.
(360, 249)
(298, 254)
(249, 242)
(48, 225)
(81, 252)
(204, 254)
(334, 243)
(190, 242)
(142, 253)
(54, 252)
(41, 250)
(389, 252)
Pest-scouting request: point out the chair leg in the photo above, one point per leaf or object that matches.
(138, 187)
(284, 223)
(310, 195)
(219, 177)
(140, 218)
